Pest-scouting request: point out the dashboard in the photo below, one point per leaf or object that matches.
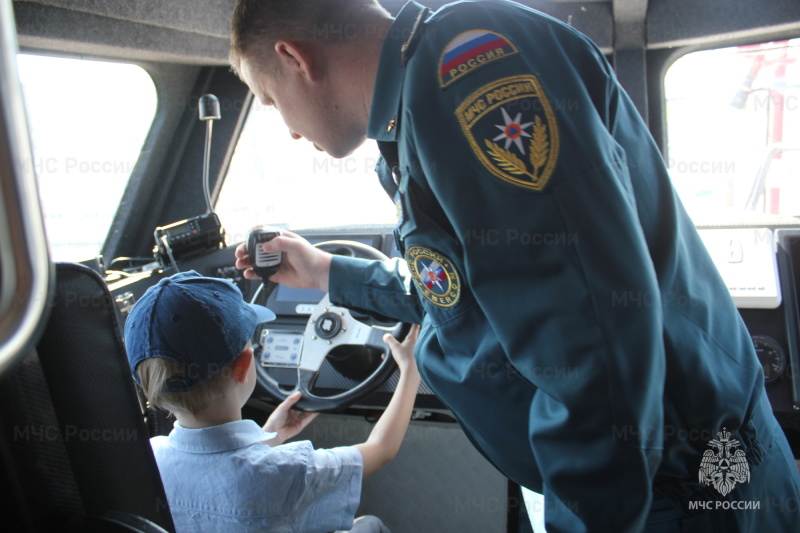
(761, 267)
(277, 343)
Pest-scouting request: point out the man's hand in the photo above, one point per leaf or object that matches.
(286, 422)
(303, 266)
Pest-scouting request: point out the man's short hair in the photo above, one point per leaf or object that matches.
(257, 24)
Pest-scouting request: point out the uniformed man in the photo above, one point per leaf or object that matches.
(572, 318)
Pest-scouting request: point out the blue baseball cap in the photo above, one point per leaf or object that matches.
(203, 323)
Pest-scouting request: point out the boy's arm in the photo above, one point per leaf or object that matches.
(384, 441)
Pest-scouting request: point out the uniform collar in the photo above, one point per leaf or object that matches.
(221, 438)
(384, 113)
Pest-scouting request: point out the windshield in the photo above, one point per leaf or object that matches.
(733, 126)
(274, 179)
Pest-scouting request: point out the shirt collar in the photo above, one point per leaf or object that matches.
(221, 438)
(383, 114)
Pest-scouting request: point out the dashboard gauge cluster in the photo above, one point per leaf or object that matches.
(771, 356)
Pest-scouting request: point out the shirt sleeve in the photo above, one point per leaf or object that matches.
(332, 490)
(381, 289)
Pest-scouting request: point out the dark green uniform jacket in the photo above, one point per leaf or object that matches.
(572, 318)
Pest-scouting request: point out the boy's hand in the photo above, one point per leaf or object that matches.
(286, 422)
(403, 352)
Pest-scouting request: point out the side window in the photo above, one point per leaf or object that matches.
(274, 179)
(733, 125)
(88, 121)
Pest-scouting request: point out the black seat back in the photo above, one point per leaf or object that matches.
(72, 419)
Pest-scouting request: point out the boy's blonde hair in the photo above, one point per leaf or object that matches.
(156, 372)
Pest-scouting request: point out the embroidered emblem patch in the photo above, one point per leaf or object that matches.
(471, 50)
(435, 276)
(510, 126)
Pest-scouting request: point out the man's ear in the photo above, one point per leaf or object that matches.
(241, 364)
(294, 57)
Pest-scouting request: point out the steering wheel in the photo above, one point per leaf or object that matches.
(330, 327)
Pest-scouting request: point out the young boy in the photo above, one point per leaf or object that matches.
(188, 346)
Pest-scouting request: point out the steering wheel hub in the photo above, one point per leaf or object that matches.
(328, 325)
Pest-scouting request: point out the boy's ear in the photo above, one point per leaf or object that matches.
(295, 57)
(241, 364)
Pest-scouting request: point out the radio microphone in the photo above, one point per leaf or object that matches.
(264, 264)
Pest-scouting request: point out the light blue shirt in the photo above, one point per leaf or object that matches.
(223, 478)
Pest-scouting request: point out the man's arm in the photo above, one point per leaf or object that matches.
(381, 289)
(370, 286)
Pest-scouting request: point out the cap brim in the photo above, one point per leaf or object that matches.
(263, 314)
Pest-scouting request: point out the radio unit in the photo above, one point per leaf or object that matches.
(187, 238)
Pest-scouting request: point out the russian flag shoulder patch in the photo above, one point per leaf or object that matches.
(471, 50)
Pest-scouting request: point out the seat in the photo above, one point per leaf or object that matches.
(75, 445)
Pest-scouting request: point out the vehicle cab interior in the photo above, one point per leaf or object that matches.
(129, 151)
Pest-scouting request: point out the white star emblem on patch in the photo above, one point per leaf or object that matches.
(513, 131)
